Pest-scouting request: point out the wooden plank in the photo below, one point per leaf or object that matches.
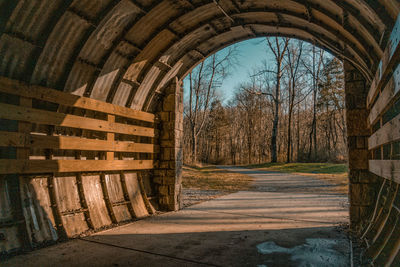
(117, 198)
(126, 195)
(9, 166)
(110, 138)
(386, 98)
(134, 192)
(62, 234)
(388, 169)
(12, 112)
(389, 61)
(146, 199)
(24, 127)
(106, 197)
(15, 139)
(83, 202)
(395, 251)
(387, 133)
(95, 201)
(14, 87)
(25, 229)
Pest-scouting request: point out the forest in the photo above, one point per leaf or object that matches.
(289, 109)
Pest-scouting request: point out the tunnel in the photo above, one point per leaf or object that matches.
(91, 106)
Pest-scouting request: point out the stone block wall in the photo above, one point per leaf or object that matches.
(363, 184)
(168, 172)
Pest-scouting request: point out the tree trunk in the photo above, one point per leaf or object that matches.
(289, 133)
(298, 133)
(194, 147)
(274, 157)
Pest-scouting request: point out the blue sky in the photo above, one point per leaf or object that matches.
(251, 54)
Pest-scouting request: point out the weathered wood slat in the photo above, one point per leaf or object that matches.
(23, 154)
(15, 139)
(390, 91)
(9, 166)
(10, 86)
(389, 132)
(394, 252)
(95, 200)
(389, 61)
(137, 194)
(12, 112)
(62, 234)
(389, 169)
(110, 138)
(83, 202)
(106, 197)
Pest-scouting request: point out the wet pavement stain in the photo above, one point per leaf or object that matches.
(315, 252)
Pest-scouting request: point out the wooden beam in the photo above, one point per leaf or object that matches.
(388, 169)
(14, 139)
(14, 87)
(387, 133)
(390, 59)
(12, 112)
(9, 166)
(385, 100)
(110, 138)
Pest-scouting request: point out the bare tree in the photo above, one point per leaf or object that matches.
(308, 100)
(315, 72)
(202, 84)
(279, 48)
(293, 62)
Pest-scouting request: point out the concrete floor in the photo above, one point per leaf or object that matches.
(285, 220)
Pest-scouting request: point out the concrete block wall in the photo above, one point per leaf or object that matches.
(363, 184)
(168, 173)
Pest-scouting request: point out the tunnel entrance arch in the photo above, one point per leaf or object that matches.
(134, 53)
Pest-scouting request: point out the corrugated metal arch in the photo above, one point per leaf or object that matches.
(124, 51)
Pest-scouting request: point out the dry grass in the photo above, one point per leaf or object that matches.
(340, 181)
(212, 178)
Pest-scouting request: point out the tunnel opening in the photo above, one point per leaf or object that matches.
(229, 102)
(123, 63)
(239, 82)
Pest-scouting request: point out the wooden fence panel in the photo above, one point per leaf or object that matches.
(387, 64)
(72, 153)
(389, 169)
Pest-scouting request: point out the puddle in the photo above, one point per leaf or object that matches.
(315, 252)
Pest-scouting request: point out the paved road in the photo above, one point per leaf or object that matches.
(284, 220)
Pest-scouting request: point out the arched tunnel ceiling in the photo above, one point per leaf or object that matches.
(123, 51)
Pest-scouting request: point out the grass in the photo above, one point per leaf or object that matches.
(213, 178)
(335, 174)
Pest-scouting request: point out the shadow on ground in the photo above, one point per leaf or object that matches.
(286, 220)
(223, 248)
